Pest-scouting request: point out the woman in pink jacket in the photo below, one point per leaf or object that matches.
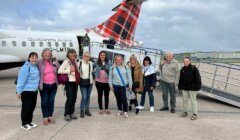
(48, 67)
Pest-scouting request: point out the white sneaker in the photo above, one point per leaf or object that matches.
(151, 109)
(26, 127)
(33, 125)
(140, 107)
(119, 113)
(125, 115)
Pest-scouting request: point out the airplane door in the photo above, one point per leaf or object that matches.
(80, 43)
(83, 46)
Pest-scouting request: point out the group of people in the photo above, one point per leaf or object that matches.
(123, 79)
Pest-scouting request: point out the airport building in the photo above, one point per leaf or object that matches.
(217, 55)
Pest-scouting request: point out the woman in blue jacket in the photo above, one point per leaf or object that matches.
(120, 80)
(27, 87)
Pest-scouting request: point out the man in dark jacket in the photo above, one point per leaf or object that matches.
(189, 83)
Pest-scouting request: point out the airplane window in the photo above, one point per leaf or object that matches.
(64, 44)
(56, 44)
(32, 44)
(71, 44)
(14, 43)
(41, 44)
(24, 43)
(49, 44)
(4, 43)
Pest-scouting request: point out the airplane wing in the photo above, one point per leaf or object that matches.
(9, 59)
(4, 35)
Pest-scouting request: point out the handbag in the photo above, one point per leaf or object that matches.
(62, 78)
(130, 94)
(85, 82)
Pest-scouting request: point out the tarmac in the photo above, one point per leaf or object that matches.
(216, 120)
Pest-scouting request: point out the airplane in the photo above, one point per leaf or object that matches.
(15, 45)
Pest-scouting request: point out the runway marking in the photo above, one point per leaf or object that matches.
(59, 130)
(113, 108)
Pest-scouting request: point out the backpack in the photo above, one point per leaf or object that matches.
(15, 82)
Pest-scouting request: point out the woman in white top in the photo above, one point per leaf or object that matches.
(70, 67)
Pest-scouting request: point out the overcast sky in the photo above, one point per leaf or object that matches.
(170, 25)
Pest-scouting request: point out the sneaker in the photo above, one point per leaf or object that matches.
(164, 109)
(26, 127)
(73, 116)
(88, 113)
(141, 107)
(184, 114)
(194, 117)
(151, 109)
(67, 118)
(130, 108)
(33, 125)
(173, 110)
(137, 111)
(119, 113)
(108, 112)
(125, 115)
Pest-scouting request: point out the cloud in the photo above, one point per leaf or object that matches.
(173, 25)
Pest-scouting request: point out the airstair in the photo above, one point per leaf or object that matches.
(220, 81)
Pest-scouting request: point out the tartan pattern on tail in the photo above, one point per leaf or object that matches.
(121, 26)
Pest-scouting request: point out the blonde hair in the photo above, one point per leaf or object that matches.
(118, 56)
(133, 56)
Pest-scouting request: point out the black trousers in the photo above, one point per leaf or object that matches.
(71, 93)
(121, 97)
(103, 89)
(29, 100)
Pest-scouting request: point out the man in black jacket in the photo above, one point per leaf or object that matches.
(189, 83)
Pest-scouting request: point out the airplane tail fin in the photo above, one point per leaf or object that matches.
(121, 26)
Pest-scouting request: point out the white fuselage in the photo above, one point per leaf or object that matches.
(18, 44)
(15, 46)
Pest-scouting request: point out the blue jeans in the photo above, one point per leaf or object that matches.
(121, 97)
(48, 94)
(86, 93)
(150, 95)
